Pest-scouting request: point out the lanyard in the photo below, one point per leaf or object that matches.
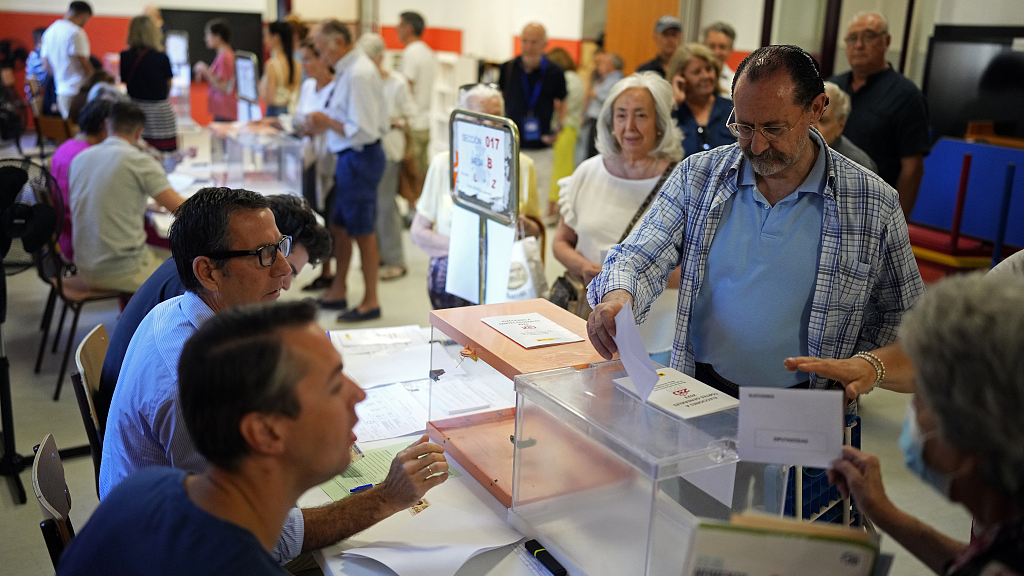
(533, 98)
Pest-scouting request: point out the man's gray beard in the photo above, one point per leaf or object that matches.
(771, 162)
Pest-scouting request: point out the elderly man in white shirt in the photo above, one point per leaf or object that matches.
(354, 121)
(65, 53)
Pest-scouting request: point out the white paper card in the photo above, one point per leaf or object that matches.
(531, 330)
(682, 395)
(389, 412)
(499, 261)
(795, 427)
(463, 278)
(633, 353)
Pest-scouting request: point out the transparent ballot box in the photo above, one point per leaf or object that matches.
(616, 486)
(256, 159)
(471, 410)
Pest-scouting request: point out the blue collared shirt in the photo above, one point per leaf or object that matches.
(144, 426)
(755, 305)
(866, 275)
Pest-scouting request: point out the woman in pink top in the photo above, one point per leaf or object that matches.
(92, 122)
(221, 99)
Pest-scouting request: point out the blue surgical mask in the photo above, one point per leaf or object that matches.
(912, 443)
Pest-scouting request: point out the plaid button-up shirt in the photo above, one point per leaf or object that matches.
(866, 278)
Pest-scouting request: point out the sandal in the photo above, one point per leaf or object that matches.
(392, 272)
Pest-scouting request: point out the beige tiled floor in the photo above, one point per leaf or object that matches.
(22, 551)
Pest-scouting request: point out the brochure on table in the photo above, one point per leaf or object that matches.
(682, 395)
(531, 330)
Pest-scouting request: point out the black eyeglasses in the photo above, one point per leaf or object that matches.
(267, 253)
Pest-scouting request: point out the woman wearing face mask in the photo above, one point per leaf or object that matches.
(963, 434)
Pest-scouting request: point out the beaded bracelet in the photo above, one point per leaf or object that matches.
(877, 364)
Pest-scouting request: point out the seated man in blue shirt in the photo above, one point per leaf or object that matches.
(311, 243)
(226, 246)
(263, 394)
(787, 249)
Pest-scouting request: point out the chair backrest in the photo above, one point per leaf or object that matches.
(55, 128)
(86, 382)
(51, 490)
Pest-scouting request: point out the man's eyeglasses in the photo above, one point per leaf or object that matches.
(867, 37)
(746, 131)
(267, 253)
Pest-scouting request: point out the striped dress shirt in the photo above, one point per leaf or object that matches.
(145, 427)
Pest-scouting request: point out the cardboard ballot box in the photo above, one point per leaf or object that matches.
(472, 401)
(616, 486)
(257, 159)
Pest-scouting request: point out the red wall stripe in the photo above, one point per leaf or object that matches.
(440, 39)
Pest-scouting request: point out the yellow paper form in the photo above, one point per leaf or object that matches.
(371, 469)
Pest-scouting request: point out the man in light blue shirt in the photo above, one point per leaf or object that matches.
(354, 121)
(785, 246)
(229, 252)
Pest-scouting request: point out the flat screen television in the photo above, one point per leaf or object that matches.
(975, 73)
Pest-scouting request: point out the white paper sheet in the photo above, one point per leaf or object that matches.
(437, 541)
(531, 330)
(796, 427)
(499, 261)
(464, 255)
(404, 365)
(633, 353)
(719, 481)
(389, 412)
(179, 182)
(374, 340)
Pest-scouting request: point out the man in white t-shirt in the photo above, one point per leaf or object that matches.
(418, 67)
(65, 53)
(111, 184)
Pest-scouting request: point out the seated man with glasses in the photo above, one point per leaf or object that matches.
(785, 246)
(229, 253)
(889, 119)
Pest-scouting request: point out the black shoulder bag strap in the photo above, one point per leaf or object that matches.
(647, 202)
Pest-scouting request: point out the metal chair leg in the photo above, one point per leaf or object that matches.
(60, 327)
(51, 301)
(47, 322)
(67, 352)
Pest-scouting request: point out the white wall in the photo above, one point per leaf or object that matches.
(743, 15)
(344, 10)
(133, 7)
(980, 12)
(489, 27)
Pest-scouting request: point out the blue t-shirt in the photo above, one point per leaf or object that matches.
(149, 526)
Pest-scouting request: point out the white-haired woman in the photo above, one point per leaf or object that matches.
(432, 227)
(606, 196)
(400, 107)
(963, 434)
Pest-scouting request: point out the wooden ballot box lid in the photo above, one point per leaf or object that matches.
(464, 325)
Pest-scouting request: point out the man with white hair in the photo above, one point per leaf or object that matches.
(534, 90)
(831, 125)
(354, 121)
(720, 37)
(889, 119)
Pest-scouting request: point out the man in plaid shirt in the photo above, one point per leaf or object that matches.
(786, 248)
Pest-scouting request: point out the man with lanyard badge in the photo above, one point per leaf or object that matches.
(534, 90)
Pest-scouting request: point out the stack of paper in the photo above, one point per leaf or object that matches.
(531, 330)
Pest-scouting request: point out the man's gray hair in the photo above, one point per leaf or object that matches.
(471, 99)
(722, 28)
(669, 138)
(879, 15)
(372, 45)
(335, 28)
(965, 337)
(617, 62)
(838, 100)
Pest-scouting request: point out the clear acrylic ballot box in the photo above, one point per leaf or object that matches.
(257, 159)
(616, 486)
(471, 409)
